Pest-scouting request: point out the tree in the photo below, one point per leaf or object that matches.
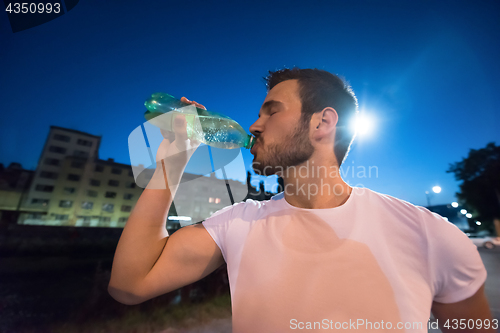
(480, 188)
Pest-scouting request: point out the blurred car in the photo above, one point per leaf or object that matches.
(486, 241)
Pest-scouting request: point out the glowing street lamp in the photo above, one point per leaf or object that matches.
(454, 204)
(468, 215)
(463, 211)
(435, 189)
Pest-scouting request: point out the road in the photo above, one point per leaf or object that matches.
(491, 260)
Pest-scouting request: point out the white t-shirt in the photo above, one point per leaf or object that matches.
(375, 259)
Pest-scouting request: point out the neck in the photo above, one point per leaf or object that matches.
(315, 186)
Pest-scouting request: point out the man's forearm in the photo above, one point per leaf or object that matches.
(142, 239)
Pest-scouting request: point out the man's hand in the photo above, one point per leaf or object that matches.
(174, 151)
(177, 141)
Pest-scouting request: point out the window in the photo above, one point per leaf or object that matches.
(99, 168)
(128, 196)
(107, 207)
(105, 219)
(59, 150)
(87, 205)
(110, 195)
(73, 177)
(65, 203)
(126, 208)
(91, 193)
(80, 153)
(215, 200)
(130, 185)
(77, 164)
(52, 161)
(95, 182)
(43, 202)
(122, 219)
(113, 182)
(61, 217)
(84, 142)
(48, 174)
(44, 188)
(35, 216)
(69, 190)
(116, 171)
(60, 137)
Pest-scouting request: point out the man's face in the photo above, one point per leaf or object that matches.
(282, 138)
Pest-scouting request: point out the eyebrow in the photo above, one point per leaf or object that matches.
(269, 104)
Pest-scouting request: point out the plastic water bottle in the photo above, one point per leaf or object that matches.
(211, 128)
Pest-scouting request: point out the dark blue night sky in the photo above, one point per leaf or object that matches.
(427, 72)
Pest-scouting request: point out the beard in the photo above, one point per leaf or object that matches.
(295, 149)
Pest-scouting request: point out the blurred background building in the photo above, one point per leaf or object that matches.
(71, 186)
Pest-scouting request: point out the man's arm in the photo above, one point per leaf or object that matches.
(475, 308)
(147, 261)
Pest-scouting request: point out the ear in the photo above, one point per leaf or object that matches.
(324, 123)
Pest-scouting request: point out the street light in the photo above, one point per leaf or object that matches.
(463, 211)
(468, 215)
(435, 189)
(454, 204)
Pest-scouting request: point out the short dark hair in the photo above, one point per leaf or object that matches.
(319, 89)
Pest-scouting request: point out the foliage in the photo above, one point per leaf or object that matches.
(479, 173)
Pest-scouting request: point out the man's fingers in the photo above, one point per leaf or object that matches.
(180, 127)
(198, 105)
(168, 135)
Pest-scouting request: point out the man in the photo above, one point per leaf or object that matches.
(320, 255)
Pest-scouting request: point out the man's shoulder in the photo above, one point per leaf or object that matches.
(386, 200)
(248, 208)
(385, 203)
(404, 209)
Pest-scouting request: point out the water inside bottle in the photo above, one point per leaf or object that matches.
(221, 132)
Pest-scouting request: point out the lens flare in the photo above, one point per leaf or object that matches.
(364, 124)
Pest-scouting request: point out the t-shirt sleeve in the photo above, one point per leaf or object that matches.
(455, 266)
(217, 225)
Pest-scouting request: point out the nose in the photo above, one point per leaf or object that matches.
(257, 127)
